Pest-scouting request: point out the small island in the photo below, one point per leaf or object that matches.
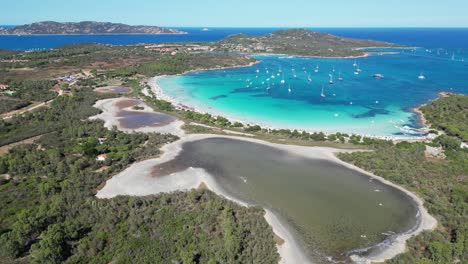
(84, 28)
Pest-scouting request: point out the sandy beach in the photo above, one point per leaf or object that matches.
(136, 180)
(159, 93)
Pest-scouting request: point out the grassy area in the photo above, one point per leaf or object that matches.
(8, 104)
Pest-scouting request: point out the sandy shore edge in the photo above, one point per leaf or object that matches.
(160, 94)
(290, 251)
(398, 245)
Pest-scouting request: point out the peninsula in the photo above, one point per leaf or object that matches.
(301, 42)
(84, 28)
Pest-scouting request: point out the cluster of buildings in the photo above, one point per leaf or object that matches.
(68, 78)
(245, 48)
(173, 49)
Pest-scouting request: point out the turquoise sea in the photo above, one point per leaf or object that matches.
(286, 91)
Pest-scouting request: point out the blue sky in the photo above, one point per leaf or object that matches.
(244, 13)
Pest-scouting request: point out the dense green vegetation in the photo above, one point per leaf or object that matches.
(440, 182)
(449, 114)
(181, 63)
(34, 90)
(48, 212)
(63, 112)
(23, 93)
(111, 60)
(8, 104)
(7, 54)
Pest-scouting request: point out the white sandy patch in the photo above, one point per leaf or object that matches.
(109, 115)
(136, 180)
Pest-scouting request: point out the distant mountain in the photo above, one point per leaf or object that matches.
(85, 27)
(298, 42)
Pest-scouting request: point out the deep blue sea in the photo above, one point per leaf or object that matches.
(357, 104)
(453, 38)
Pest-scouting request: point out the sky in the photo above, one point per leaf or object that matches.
(242, 13)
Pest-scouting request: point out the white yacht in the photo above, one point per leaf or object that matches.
(322, 94)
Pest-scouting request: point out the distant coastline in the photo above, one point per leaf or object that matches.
(85, 28)
(95, 34)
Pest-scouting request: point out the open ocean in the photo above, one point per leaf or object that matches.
(358, 104)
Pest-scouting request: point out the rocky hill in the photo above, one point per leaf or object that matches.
(298, 42)
(85, 27)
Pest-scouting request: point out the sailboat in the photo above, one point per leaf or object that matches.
(322, 94)
(339, 77)
(282, 80)
(289, 89)
(331, 79)
(421, 76)
(355, 63)
(316, 68)
(309, 78)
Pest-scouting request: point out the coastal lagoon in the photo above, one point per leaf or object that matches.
(333, 211)
(131, 119)
(286, 91)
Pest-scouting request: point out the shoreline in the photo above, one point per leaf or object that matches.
(159, 93)
(290, 251)
(367, 54)
(217, 68)
(420, 114)
(96, 34)
(398, 245)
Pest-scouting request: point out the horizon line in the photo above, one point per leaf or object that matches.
(266, 27)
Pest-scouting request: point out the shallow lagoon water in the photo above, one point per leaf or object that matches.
(136, 119)
(330, 208)
(358, 104)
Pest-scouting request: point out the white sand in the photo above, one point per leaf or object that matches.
(136, 181)
(109, 115)
(159, 92)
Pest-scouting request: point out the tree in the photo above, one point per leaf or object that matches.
(65, 86)
(51, 247)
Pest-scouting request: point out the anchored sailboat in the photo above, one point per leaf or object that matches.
(322, 94)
